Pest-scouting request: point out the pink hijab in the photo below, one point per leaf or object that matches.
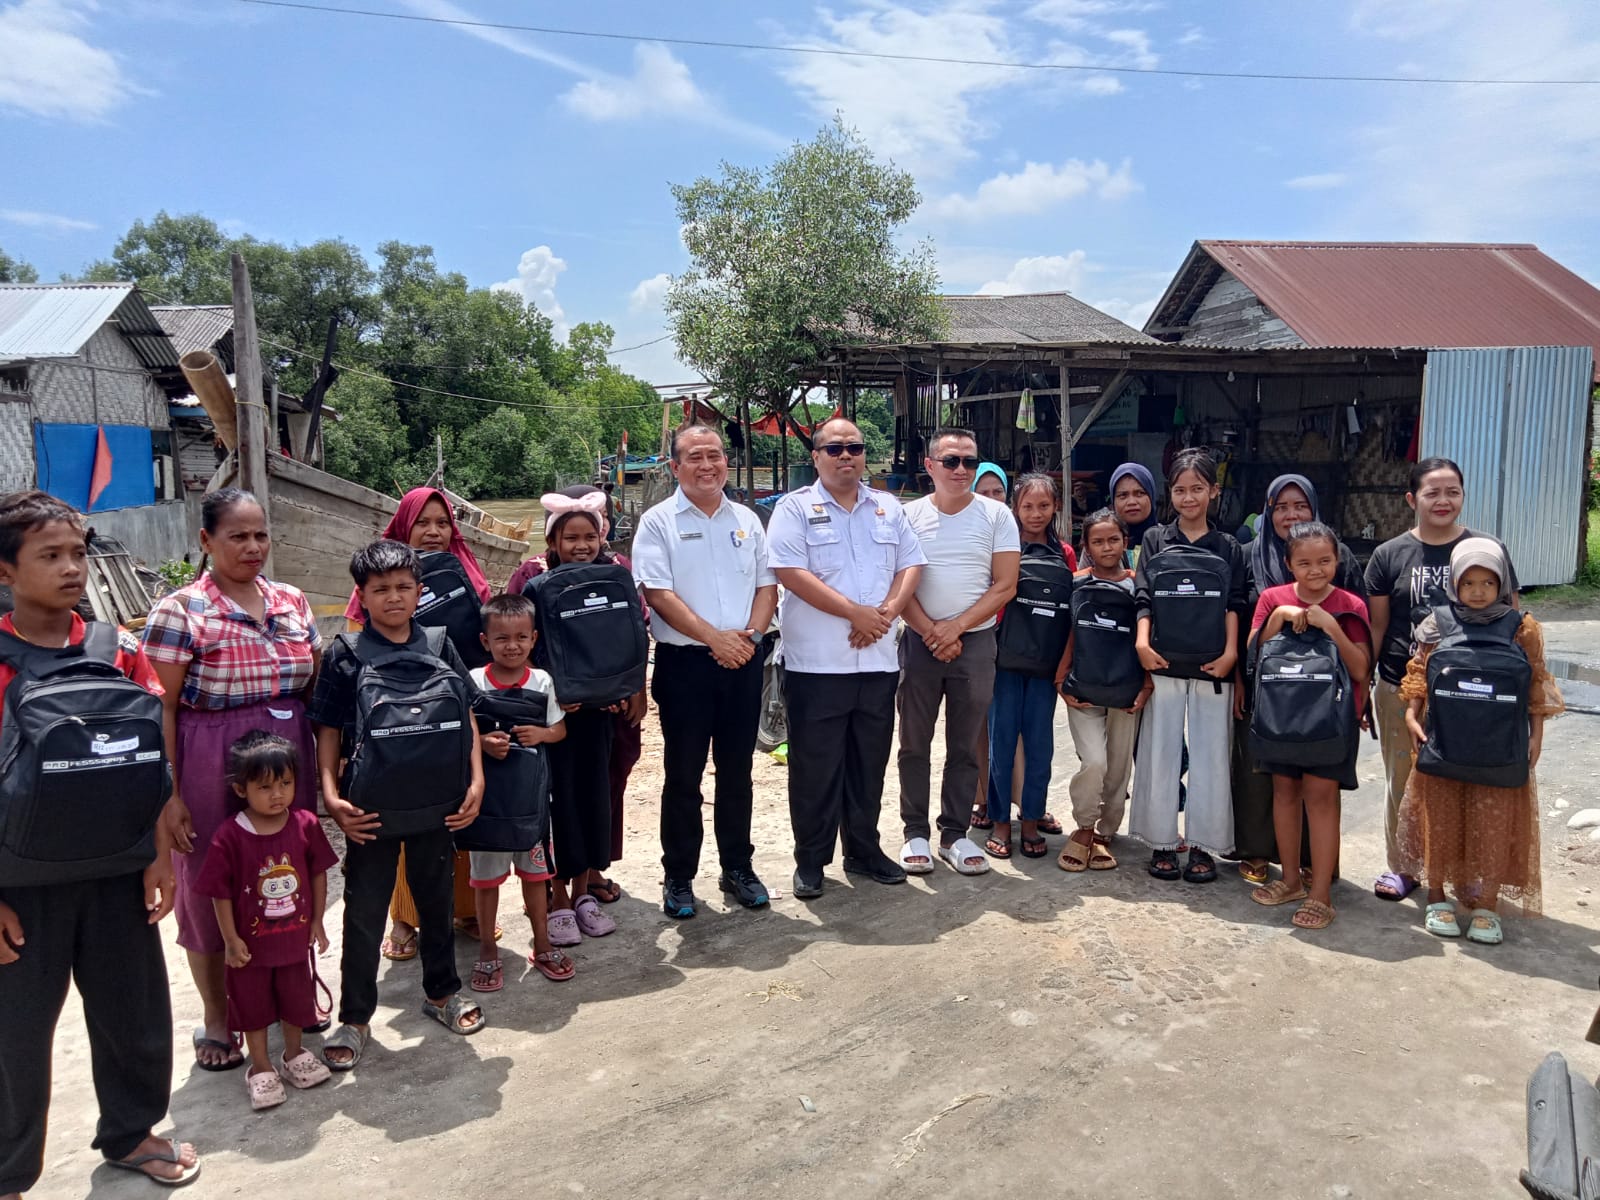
(399, 528)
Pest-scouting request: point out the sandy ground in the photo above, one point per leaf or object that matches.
(1094, 1035)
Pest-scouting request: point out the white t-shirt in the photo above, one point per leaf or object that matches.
(960, 551)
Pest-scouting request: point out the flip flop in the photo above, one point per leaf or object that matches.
(1251, 873)
(202, 1042)
(174, 1155)
(607, 891)
(1035, 847)
(980, 819)
(488, 975)
(995, 848)
(553, 964)
(1049, 824)
(403, 950)
(1398, 886)
(965, 857)
(918, 848)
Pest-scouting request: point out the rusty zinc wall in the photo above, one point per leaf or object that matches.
(1514, 419)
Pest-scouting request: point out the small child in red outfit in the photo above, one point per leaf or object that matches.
(266, 873)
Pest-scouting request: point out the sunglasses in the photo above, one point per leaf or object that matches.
(951, 462)
(835, 449)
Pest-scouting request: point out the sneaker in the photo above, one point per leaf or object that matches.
(591, 921)
(807, 883)
(677, 899)
(742, 884)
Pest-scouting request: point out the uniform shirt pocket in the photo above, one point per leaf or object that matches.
(825, 549)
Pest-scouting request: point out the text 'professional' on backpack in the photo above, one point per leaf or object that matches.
(412, 758)
(592, 638)
(516, 789)
(1477, 720)
(1189, 605)
(448, 601)
(1035, 624)
(1304, 713)
(83, 765)
(1105, 667)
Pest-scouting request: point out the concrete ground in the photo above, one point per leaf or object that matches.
(1086, 1035)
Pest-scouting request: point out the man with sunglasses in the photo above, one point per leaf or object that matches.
(848, 563)
(702, 562)
(974, 554)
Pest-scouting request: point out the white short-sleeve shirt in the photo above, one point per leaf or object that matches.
(856, 553)
(960, 548)
(714, 564)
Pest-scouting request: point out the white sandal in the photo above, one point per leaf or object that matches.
(305, 1070)
(958, 856)
(265, 1089)
(917, 848)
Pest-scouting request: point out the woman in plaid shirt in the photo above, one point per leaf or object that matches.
(235, 652)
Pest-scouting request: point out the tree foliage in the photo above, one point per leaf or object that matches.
(791, 259)
(15, 270)
(430, 360)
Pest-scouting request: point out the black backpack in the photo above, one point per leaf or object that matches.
(1304, 713)
(83, 764)
(412, 757)
(1189, 589)
(1478, 685)
(1563, 1134)
(516, 789)
(449, 602)
(1105, 670)
(592, 638)
(1034, 627)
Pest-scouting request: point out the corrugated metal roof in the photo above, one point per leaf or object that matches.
(1033, 317)
(195, 326)
(1385, 294)
(56, 320)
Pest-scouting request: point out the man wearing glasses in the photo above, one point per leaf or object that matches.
(702, 562)
(974, 553)
(848, 563)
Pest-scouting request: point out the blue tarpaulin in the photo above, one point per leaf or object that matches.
(64, 456)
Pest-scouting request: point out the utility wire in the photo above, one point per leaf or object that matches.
(838, 52)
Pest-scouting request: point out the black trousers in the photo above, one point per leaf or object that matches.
(840, 727)
(97, 935)
(368, 882)
(705, 709)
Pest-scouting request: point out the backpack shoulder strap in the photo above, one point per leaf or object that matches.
(101, 641)
(436, 636)
(14, 650)
(1445, 619)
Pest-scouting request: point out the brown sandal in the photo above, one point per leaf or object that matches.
(1074, 855)
(1279, 891)
(1313, 914)
(1100, 856)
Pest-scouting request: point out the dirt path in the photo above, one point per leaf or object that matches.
(1091, 1035)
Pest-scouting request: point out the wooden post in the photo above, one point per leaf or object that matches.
(273, 441)
(666, 434)
(622, 475)
(247, 388)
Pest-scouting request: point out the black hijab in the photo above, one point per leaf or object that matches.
(1269, 554)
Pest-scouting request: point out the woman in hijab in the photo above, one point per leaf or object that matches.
(425, 521)
(1133, 498)
(1480, 841)
(1291, 499)
(991, 482)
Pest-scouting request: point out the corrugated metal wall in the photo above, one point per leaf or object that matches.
(1514, 419)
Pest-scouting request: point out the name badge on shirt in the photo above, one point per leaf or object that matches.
(824, 519)
(690, 535)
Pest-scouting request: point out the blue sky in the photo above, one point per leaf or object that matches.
(543, 162)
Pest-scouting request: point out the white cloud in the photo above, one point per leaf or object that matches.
(50, 70)
(1043, 273)
(648, 293)
(1135, 44)
(52, 222)
(1317, 183)
(537, 272)
(1038, 187)
(1129, 312)
(1193, 36)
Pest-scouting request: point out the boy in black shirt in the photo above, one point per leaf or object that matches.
(388, 579)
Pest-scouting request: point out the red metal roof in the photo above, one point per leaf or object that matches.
(1425, 294)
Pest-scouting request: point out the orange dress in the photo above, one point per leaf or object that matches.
(1467, 836)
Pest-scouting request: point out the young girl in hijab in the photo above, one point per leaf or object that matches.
(425, 521)
(585, 795)
(1133, 498)
(1480, 841)
(1291, 499)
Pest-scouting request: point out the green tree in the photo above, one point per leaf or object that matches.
(792, 259)
(15, 270)
(876, 419)
(177, 259)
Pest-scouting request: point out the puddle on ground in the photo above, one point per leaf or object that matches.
(1580, 684)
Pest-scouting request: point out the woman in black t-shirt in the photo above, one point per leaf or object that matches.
(1406, 577)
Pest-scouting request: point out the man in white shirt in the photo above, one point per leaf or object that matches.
(848, 563)
(702, 562)
(974, 554)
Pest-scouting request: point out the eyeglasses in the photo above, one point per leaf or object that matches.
(952, 461)
(836, 449)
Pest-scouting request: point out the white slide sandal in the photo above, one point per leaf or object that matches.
(961, 854)
(917, 848)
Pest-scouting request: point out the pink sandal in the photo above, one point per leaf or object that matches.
(487, 975)
(305, 1070)
(591, 920)
(563, 927)
(265, 1089)
(553, 964)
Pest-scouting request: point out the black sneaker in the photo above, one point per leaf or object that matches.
(883, 869)
(742, 884)
(807, 883)
(677, 899)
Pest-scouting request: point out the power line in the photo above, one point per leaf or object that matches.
(838, 52)
(638, 346)
(417, 387)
